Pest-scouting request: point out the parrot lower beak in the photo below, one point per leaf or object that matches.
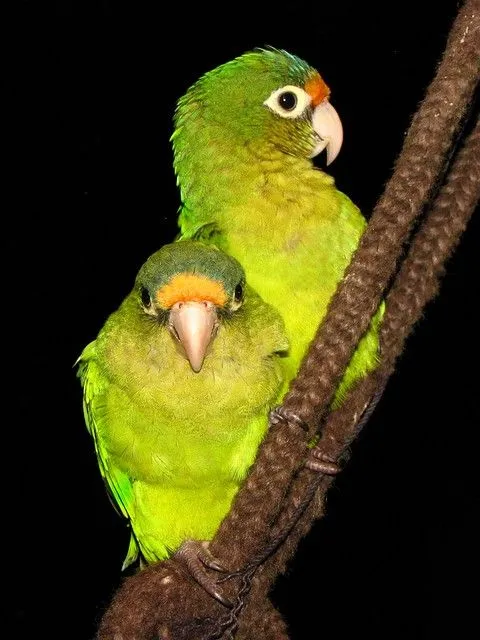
(193, 324)
(328, 127)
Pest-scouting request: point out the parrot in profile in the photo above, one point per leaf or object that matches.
(177, 389)
(244, 137)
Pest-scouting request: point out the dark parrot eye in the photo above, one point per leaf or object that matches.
(146, 297)
(238, 293)
(287, 100)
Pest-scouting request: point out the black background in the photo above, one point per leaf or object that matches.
(93, 87)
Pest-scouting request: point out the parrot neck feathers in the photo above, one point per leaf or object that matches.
(215, 174)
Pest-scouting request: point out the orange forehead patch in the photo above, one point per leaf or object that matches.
(317, 89)
(186, 287)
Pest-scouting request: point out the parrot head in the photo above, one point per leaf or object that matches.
(265, 96)
(190, 288)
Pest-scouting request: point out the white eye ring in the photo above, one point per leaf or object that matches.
(301, 102)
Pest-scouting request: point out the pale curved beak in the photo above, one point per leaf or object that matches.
(194, 324)
(328, 126)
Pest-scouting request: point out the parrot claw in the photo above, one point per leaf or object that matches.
(279, 414)
(195, 555)
(317, 460)
(320, 462)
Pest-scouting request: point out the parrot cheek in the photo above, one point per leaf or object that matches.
(297, 138)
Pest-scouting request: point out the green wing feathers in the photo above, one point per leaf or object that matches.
(118, 484)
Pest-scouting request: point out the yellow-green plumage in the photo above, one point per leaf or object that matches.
(249, 186)
(174, 445)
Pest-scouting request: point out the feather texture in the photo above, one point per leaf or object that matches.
(249, 186)
(173, 445)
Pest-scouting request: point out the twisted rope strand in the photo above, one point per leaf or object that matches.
(415, 174)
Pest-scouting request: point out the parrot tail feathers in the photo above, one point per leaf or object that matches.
(132, 553)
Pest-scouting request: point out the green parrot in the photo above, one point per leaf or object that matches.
(177, 389)
(243, 142)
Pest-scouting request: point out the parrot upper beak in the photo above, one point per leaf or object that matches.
(194, 324)
(328, 126)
